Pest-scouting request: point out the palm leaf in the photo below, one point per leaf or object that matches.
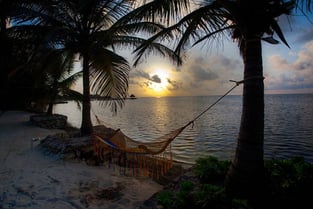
(278, 31)
(109, 77)
(161, 10)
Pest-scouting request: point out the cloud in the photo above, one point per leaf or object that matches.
(155, 79)
(279, 63)
(305, 35)
(214, 68)
(292, 74)
(198, 71)
(139, 74)
(173, 85)
(199, 75)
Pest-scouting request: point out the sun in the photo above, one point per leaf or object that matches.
(159, 80)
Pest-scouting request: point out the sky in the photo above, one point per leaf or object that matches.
(207, 69)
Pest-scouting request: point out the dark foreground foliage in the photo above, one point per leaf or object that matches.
(289, 185)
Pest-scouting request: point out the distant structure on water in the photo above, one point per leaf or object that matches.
(132, 96)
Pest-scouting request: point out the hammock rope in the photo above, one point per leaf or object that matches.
(237, 83)
(152, 158)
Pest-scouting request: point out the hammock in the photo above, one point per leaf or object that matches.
(135, 158)
(131, 157)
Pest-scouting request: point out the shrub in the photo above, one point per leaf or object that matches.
(210, 169)
(165, 199)
(184, 195)
(290, 182)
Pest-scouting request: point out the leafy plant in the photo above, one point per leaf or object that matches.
(184, 195)
(289, 185)
(290, 182)
(165, 199)
(210, 169)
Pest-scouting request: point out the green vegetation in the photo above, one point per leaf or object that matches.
(289, 184)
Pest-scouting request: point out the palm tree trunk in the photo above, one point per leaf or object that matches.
(53, 96)
(245, 177)
(86, 126)
(50, 108)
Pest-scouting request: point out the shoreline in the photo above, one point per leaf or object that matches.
(30, 179)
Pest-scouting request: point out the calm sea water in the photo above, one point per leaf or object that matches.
(288, 124)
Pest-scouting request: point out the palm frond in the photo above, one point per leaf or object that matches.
(71, 80)
(158, 11)
(150, 46)
(207, 36)
(109, 77)
(278, 31)
(144, 27)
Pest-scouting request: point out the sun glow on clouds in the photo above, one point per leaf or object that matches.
(158, 81)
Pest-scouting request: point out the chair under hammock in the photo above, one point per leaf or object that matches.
(136, 158)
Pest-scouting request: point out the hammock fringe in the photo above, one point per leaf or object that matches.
(133, 158)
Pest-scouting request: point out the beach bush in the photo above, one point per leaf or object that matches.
(210, 169)
(290, 182)
(165, 199)
(184, 197)
(289, 185)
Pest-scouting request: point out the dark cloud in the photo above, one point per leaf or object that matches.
(141, 74)
(146, 84)
(173, 85)
(198, 71)
(200, 74)
(156, 79)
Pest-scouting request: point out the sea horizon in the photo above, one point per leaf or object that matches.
(288, 123)
(300, 93)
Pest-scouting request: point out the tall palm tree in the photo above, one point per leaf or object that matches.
(56, 69)
(248, 22)
(94, 29)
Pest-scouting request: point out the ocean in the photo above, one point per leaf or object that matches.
(288, 124)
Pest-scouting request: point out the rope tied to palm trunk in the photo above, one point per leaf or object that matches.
(153, 155)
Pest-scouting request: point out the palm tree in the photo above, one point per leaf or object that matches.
(93, 30)
(56, 69)
(248, 22)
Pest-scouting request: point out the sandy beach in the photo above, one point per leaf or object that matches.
(30, 179)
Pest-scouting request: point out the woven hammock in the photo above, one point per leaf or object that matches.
(128, 156)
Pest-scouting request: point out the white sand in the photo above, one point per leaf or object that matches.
(29, 179)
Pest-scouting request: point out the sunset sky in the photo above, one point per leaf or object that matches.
(207, 70)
